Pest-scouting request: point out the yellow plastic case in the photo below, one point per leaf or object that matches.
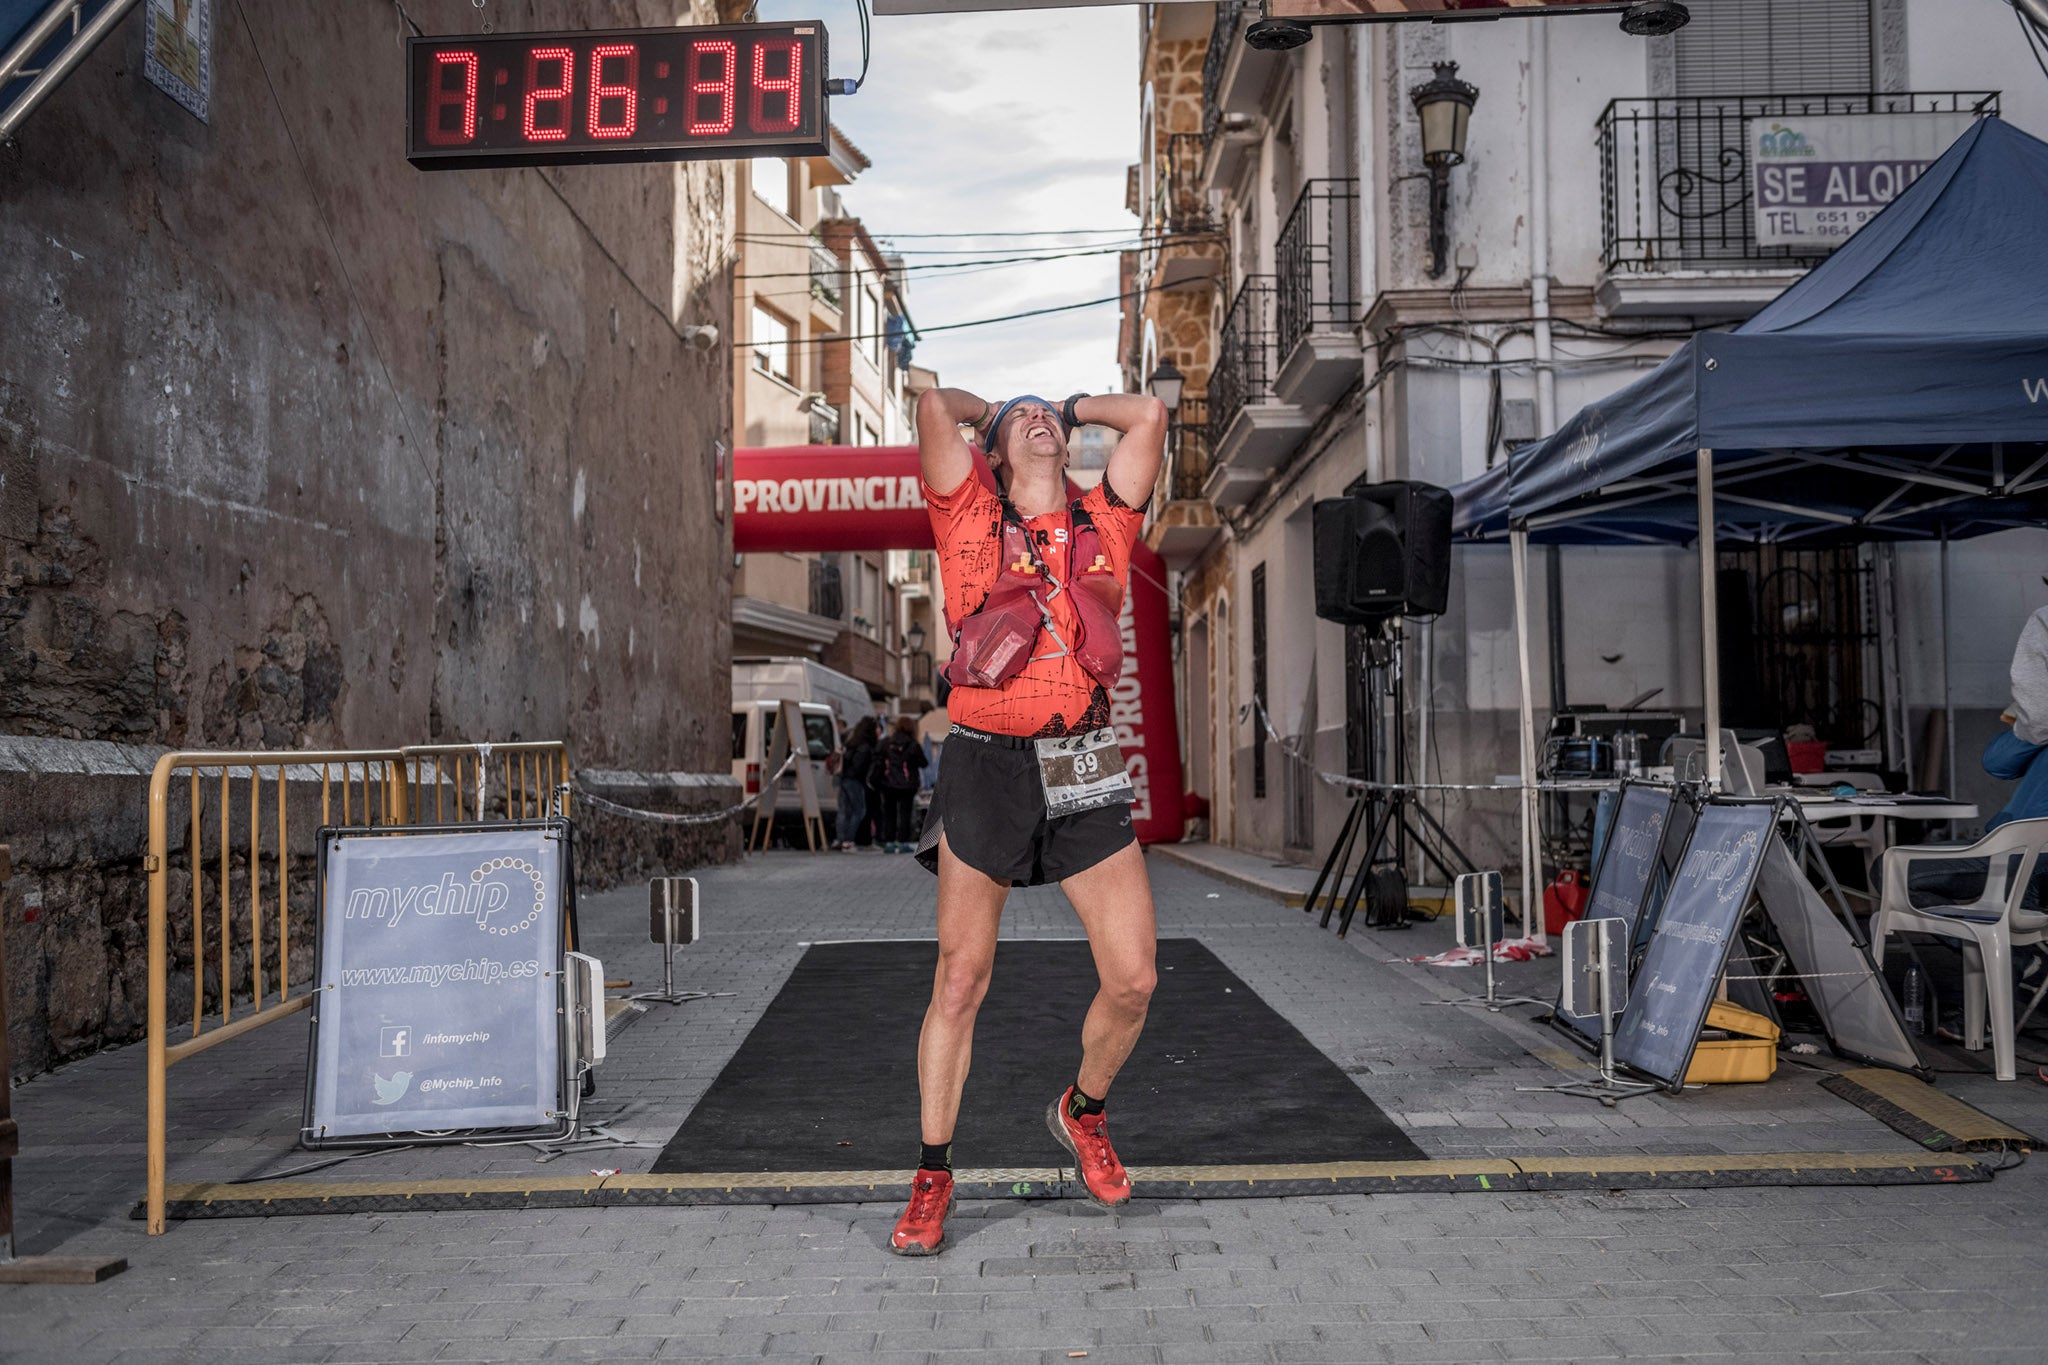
(1751, 1057)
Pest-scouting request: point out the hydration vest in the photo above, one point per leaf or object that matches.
(992, 643)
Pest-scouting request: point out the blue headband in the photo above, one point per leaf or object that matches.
(1004, 411)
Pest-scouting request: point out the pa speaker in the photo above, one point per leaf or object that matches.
(1383, 549)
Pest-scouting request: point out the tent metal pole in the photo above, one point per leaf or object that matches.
(1948, 695)
(1710, 626)
(1532, 915)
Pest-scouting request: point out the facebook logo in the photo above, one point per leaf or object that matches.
(394, 1042)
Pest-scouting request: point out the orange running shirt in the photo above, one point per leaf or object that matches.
(1051, 696)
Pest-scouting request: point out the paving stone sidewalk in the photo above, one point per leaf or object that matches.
(1924, 1272)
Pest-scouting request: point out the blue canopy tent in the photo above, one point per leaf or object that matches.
(1899, 390)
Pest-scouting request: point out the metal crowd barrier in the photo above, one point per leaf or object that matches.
(242, 836)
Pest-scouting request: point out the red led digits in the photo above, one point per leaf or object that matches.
(627, 91)
(440, 99)
(721, 87)
(557, 95)
(787, 86)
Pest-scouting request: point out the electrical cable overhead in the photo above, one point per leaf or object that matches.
(957, 326)
(930, 267)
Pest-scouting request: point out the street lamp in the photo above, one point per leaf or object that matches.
(916, 637)
(1444, 105)
(1165, 385)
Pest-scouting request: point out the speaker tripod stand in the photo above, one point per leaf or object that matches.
(1390, 814)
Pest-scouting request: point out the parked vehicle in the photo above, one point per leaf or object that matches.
(800, 679)
(753, 730)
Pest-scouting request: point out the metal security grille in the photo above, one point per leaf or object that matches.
(1258, 721)
(1761, 47)
(1800, 631)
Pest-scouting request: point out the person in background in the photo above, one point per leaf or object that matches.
(2015, 753)
(854, 766)
(899, 761)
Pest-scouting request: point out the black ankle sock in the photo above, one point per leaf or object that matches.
(938, 1156)
(1079, 1105)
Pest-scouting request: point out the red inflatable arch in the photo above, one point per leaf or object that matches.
(824, 498)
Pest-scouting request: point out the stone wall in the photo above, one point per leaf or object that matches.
(300, 446)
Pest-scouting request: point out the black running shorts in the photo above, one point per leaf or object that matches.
(991, 808)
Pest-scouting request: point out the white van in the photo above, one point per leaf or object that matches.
(753, 729)
(801, 679)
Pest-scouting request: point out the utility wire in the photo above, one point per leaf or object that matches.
(931, 267)
(952, 326)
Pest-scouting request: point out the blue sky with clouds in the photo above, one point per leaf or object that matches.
(1020, 120)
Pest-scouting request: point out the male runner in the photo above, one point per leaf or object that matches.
(1036, 649)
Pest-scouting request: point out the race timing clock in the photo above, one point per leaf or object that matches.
(648, 94)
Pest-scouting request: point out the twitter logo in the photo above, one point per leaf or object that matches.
(393, 1090)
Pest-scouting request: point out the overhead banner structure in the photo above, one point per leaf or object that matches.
(841, 498)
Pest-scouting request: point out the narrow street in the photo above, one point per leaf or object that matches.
(1938, 1273)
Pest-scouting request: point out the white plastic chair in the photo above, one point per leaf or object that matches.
(1988, 928)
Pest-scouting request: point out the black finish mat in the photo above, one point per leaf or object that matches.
(827, 1079)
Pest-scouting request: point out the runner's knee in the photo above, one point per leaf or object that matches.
(961, 985)
(1131, 991)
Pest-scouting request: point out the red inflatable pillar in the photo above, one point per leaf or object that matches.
(825, 498)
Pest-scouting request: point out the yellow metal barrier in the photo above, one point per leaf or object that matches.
(423, 784)
(455, 780)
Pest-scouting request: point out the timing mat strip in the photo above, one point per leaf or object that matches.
(1475, 1176)
(1933, 1118)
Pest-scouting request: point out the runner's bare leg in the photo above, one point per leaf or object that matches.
(970, 916)
(1114, 900)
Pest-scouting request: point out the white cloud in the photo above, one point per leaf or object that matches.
(1012, 121)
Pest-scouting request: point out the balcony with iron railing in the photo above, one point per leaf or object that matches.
(1222, 39)
(1316, 310)
(1677, 201)
(1251, 428)
(828, 275)
(1184, 521)
(828, 598)
(1179, 203)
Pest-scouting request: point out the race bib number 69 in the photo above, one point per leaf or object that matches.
(1082, 772)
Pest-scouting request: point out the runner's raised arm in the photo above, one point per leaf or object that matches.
(1134, 464)
(941, 450)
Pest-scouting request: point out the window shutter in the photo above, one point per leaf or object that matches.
(1775, 47)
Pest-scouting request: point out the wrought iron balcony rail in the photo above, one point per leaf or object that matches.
(1245, 355)
(1178, 202)
(1675, 181)
(827, 270)
(827, 598)
(824, 424)
(1187, 451)
(1317, 255)
(1229, 16)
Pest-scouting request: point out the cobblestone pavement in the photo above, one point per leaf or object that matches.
(1911, 1273)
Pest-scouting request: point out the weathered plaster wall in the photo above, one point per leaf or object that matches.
(302, 446)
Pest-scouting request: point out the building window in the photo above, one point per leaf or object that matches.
(872, 305)
(1775, 47)
(770, 339)
(774, 185)
(1259, 681)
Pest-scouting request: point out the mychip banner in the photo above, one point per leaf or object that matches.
(1815, 180)
(1674, 987)
(439, 984)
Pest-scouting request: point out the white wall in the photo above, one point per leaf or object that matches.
(1976, 45)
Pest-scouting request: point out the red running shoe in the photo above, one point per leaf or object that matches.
(923, 1225)
(1087, 1138)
